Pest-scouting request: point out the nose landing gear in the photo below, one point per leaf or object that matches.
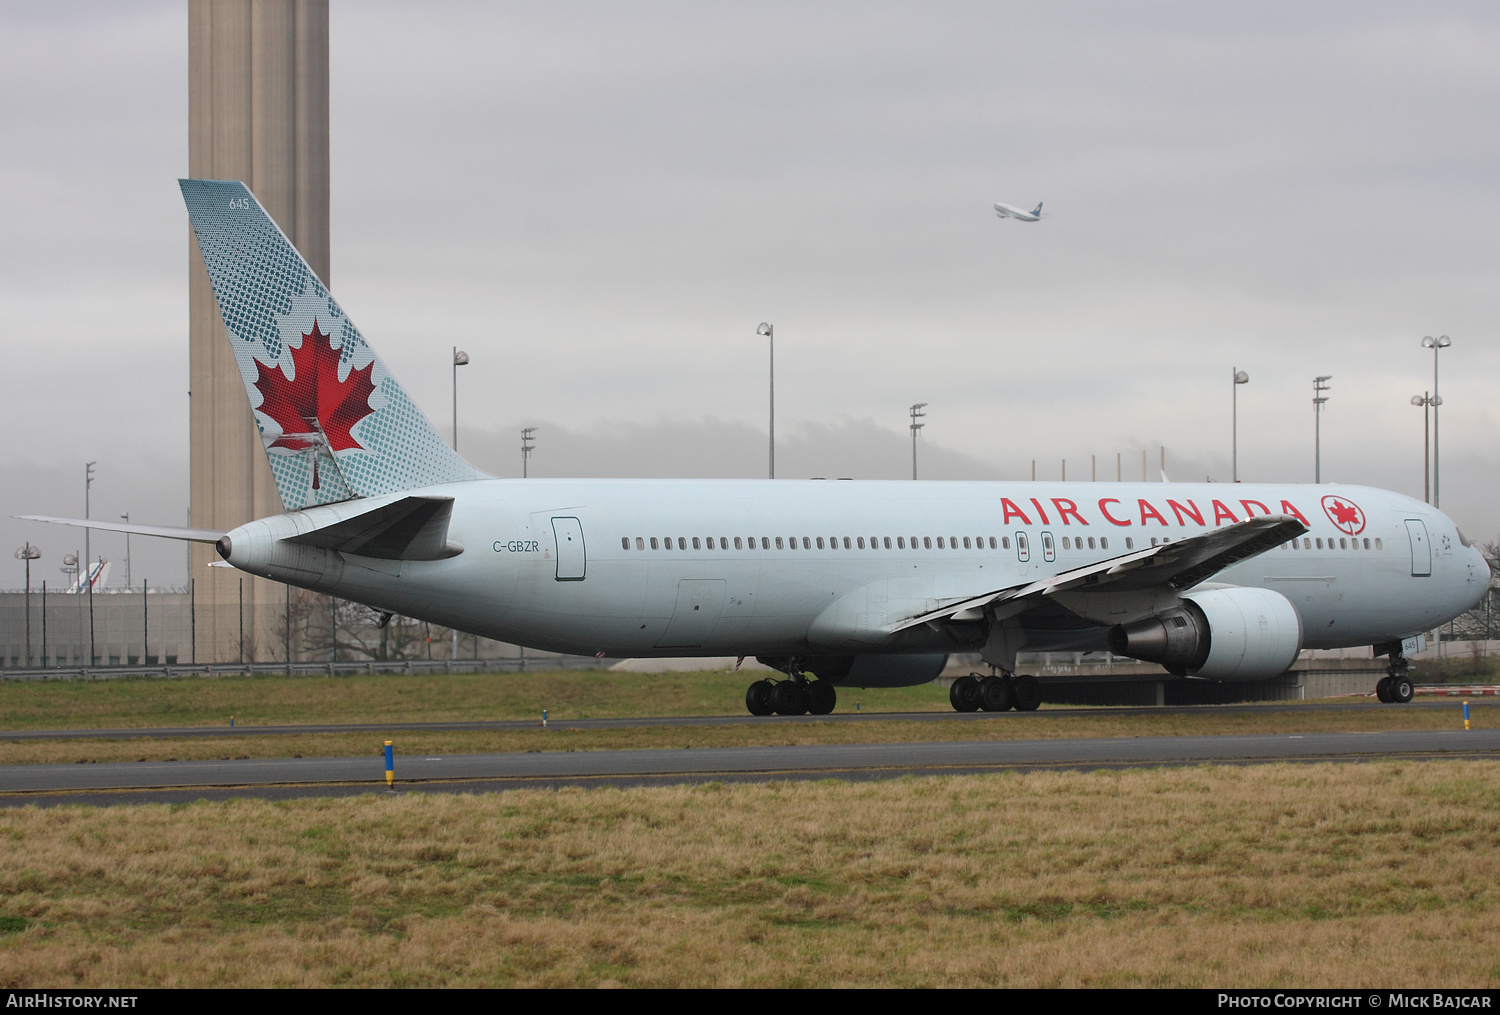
(995, 693)
(1396, 687)
(795, 695)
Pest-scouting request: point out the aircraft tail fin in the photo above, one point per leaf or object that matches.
(1038, 209)
(334, 422)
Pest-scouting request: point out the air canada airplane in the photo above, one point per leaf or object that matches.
(1006, 211)
(834, 584)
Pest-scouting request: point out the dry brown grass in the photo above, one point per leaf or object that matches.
(1013, 727)
(1356, 875)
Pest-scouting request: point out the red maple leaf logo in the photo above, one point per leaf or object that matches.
(1344, 514)
(315, 409)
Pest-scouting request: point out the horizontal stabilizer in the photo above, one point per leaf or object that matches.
(164, 531)
(413, 528)
(1177, 565)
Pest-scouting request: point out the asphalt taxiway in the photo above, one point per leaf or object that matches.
(140, 782)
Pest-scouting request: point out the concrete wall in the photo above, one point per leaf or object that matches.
(257, 112)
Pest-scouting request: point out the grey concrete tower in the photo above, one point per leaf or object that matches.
(257, 112)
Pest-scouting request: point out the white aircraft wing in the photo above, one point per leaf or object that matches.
(1176, 565)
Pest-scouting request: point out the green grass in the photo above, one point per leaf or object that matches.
(275, 700)
(1280, 875)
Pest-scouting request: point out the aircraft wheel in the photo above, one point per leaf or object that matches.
(963, 695)
(821, 697)
(1027, 692)
(1401, 690)
(994, 695)
(1383, 690)
(787, 698)
(758, 697)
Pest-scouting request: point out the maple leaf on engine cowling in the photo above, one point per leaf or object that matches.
(314, 408)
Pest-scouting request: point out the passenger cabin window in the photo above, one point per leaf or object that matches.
(1378, 544)
(807, 543)
(624, 542)
(900, 542)
(1004, 542)
(653, 543)
(926, 542)
(820, 542)
(1129, 543)
(861, 542)
(888, 542)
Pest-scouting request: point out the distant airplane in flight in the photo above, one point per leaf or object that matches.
(1006, 211)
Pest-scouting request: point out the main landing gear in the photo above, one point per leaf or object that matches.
(995, 693)
(1396, 687)
(794, 695)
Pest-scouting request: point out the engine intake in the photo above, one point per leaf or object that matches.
(1218, 634)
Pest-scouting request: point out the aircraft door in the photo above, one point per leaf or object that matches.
(1049, 547)
(572, 561)
(700, 603)
(1023, 547)
(1421, 549)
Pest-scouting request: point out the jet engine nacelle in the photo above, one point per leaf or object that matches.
(1217, 634)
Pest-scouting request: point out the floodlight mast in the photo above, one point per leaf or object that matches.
(1435, 344)
(769, 330)
(916, 414)
(1427, 404)
(527, 446)
(88, 481)
(1320, 396)
(460, 359)
(1239, 377)
(28, 553)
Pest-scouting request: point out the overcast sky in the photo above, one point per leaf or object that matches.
(600, 202)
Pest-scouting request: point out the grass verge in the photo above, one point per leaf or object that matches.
(1350, 875)
(274, 700)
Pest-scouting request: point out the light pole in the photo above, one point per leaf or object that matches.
(770, 332)
(126, 516)
(1240, 377)
(526, 447)
(916, 414)
(1320, 388)
(460, 359)
(1441, 342)
(88, 481)
(28, 553)
(1428, 403)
